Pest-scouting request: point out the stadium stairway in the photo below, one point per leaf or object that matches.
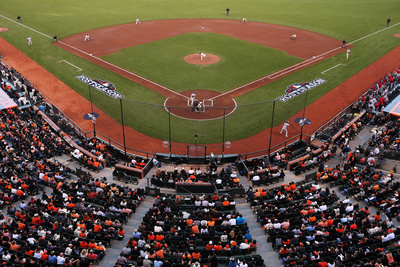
(271, 258)
(112, 253)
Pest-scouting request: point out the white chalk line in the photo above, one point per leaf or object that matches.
(323, 72)
(106, 62)
(79, 69)
(296, 67)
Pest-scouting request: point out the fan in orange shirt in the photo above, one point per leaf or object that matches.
(97, 228)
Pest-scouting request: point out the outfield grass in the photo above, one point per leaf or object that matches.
(340, 19)
(240, 61)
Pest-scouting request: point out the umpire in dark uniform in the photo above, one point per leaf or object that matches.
(195, 105)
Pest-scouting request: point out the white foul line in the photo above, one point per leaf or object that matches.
(106, 62)
(79, 69)
(295, 67)
(332, 68)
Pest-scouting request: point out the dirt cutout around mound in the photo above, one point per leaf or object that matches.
(3, 29)
(196, 59)
(397, 35)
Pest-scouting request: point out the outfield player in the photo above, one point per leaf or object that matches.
(347, 54)
(137, 21)
(29, 40)
(284, 128)
(87, 38)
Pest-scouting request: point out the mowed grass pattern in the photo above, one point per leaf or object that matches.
(240, 61)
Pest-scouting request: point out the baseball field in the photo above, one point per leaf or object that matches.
(145, 62)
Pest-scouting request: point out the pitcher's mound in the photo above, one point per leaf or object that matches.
(397, 35)
(207, 60)
(3, 29)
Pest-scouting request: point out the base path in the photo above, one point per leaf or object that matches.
(74, 105)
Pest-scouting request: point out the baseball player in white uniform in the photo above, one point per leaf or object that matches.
(244, 20)
(284, 128)
(137, 21)
(87, 38)
(29, 40)
(202, 55)
(192, 98)
(294, 37)
(347, 54)
(198, 109)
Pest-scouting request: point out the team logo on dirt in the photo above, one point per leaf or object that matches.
(299, 88)
(105, 87)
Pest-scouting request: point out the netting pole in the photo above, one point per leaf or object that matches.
(304, 113)
(272, 125)
(123, 126)
(169, 133)
(91, 105)
(223, 136)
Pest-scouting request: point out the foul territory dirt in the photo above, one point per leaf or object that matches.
(75, 106)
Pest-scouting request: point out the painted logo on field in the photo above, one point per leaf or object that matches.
(299, 88)
(105, 87)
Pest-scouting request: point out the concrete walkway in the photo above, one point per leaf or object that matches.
(112, 253)
(271, 258)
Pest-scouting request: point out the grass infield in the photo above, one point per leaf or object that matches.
(241, 61)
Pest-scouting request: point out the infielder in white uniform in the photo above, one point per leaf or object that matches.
(244, 20)
(29, 40)
(347, 54)
(87, 38)
(137, 21)
(284, 128)
(294, 37)
(202, 55)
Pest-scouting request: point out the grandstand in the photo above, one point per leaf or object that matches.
(75, 201)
